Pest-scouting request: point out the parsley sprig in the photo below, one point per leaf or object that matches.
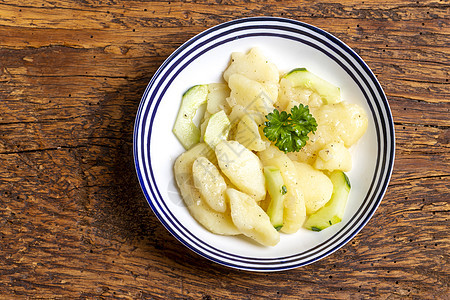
(290, 131)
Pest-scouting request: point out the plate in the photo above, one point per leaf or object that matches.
(288, 44)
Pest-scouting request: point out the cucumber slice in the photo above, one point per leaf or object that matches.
(277, 191)
(302, 78)
(333, 212)
(184, 128)
(217, 129)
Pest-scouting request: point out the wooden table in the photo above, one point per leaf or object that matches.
(73, 220)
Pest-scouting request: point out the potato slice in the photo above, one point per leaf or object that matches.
(315, 185)
(216, 222)
(247, 134)
(251, 219)
(346, 121)
(288, 94)
(238, 113)
(294, 214)
(317, 141)
(334, 156)
(253, 65)
(210, 183)
(242, 167)
(337, 123)
(217, 129)
(251, 94)
(216, 99)
(203, 124)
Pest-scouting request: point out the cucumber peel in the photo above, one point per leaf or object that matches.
(184, 128)
(277, 191)
(303, 78)
(333, 212)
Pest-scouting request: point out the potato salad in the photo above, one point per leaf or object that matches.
(269, 154)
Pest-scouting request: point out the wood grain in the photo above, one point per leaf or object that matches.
(74, 223)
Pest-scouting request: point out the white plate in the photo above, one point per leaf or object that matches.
(289, 44)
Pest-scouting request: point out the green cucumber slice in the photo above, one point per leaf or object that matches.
(217, 129)
(277, 191)
(184, 128)
(303, 78)
(333, 212)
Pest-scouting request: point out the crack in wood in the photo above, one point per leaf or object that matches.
(42, 150)
(443, 127)
(440, 176)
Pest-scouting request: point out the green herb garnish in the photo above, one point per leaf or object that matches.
(283, 190)
(290, 131)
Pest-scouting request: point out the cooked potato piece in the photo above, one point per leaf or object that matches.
(289, 96)
(239, 111)
(210, 183)
(247, 134)
(216, 100)
(334, 156)
(251, 219)
(217, 129)
(216, 222)
(204, 124)
(272, 90)
(346, 121)
(308, 153)
(316, 142)
(315, 100)
(242, 167)
(253, 65)
(315, 185)
(294, 213)
(337, 123)
(249, 93)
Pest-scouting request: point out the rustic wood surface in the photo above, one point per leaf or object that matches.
(74, 223)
